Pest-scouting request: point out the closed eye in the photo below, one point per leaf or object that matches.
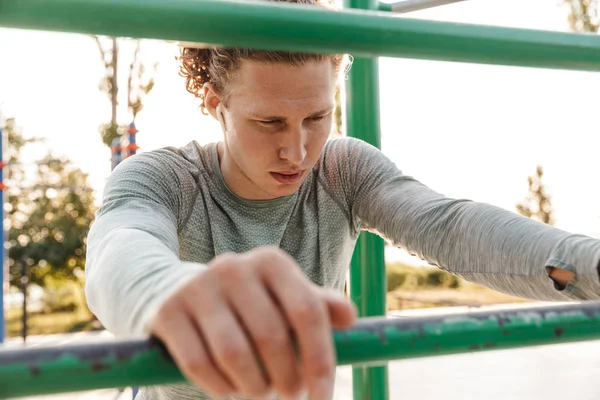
(269, 122)
(319, 117)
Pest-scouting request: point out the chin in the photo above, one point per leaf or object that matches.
(279, 190)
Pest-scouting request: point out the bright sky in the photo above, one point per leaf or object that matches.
(469, 131)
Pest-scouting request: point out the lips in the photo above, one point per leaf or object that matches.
(287, 177)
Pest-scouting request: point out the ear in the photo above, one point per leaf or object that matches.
(211, 99)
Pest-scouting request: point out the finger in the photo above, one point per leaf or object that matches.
(229, 346)
(309, 318)
(342, 312)
(185, 345)
(270, 335)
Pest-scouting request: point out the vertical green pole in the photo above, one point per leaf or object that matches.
(367, 270)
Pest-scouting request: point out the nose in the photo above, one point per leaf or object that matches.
(293, 147)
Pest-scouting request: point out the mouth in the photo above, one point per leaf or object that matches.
(287, 177)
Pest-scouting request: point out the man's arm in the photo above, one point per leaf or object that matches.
(479, 242)
(136, 284)
(132, 249)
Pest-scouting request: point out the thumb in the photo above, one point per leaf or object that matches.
(342, 312)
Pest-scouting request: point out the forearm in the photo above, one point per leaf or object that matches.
(129, 272)
(488, 245)
(519, 256)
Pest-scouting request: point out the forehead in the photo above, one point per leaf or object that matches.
(257, 83)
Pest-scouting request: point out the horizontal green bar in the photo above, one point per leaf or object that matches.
(384, 7)
(407, 6)
(284, 26)
(372, 341)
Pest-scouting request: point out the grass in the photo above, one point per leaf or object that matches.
(468, 294)
(45, 324)
(410, 287)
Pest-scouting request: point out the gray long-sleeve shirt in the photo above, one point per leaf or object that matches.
(167, 213)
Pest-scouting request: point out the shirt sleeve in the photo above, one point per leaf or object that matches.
(132, 261)
(481, 243)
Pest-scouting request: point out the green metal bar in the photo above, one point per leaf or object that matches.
(277, 26)
(407, 6)
(374, 341)
(367, 269)
(387, 7)
(368, 291)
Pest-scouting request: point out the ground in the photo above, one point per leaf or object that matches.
(468, 294)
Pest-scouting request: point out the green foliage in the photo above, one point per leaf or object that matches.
(538, 203)
(110, 132)
(49, 212)
(140, 83)
(404, 277)
(64, 295)
(48, 324)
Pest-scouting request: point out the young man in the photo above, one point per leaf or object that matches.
(230, 251)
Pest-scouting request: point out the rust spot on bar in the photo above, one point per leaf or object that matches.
(123, 356)
(505, 332)
(97, 366)
(35, 370)
(486, 345)
(558, 332)
(413, 341)
(383, 337)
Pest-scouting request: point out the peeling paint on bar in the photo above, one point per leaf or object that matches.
(47, 370)
(376, 341)
(372, 341)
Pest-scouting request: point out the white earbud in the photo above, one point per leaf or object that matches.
(220, 117)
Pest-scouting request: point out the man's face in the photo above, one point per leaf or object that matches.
(277, 120)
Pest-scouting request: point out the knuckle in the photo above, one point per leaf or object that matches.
(320, 365)
(235, 356)
(162, 321)
(309, 312)
(223, 259)
(229, 270)
(275, 260)
(202, 371)
(271, 253)
(269, 249)
(195, 367)
(221, 262)
(271, 340)
(235, 279)
(169, 307)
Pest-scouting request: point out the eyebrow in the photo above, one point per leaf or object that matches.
(274, 117)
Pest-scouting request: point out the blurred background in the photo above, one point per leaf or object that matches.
(523, 139)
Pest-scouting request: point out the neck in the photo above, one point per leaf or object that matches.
(236, 180)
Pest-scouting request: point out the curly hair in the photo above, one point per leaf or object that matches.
(218, 65)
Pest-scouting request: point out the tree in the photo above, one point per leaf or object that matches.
(583, 15)
(139, 84)
(537, 204)
(49, 212)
